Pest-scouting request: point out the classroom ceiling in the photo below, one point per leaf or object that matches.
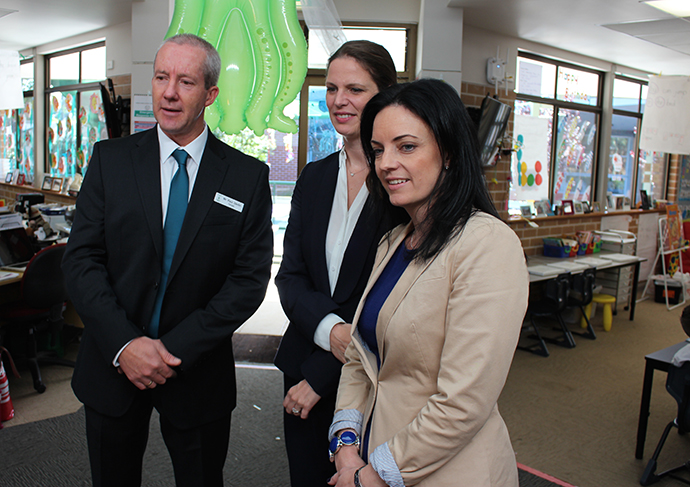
(626, 32)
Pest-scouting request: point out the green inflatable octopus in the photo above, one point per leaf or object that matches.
(264, 55)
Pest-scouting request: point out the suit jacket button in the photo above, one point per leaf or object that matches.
(155, 286)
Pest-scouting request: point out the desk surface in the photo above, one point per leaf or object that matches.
(541, 260)
(9, 277)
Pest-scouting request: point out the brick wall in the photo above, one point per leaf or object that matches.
(558, 226)
(498, 176)
(283, 160)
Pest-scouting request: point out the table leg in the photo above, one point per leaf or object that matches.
(633, 299)
(644, 409)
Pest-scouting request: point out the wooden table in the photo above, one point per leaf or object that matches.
(659, 360)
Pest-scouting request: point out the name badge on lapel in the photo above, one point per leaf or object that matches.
(229, 202)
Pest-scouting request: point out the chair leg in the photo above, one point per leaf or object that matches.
(608, 317)
(32, 357)
(649, 476)
(567, 340)
(538, 348)
(585, 323)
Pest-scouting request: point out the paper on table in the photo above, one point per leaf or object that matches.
(543, 270)
(593, 261)
(621, 257)
(569, 266)
(4, 276)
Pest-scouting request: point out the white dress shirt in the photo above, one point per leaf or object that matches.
(341, 224)
(168, 167)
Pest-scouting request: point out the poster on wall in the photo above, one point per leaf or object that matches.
(666, 120)
(684, 188)
(530, 160)
(142, 113)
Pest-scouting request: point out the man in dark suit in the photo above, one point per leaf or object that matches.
(161, 281)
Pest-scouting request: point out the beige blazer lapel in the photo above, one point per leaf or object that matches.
(398, 293)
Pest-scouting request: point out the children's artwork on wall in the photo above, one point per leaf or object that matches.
(674, 233)
(529, 160)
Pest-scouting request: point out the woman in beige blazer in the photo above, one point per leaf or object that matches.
(439, 321)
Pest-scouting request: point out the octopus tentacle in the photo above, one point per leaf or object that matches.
(293, 51)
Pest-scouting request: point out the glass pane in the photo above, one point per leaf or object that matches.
(93, 126)
(279, 151)
(626, 95)
(576, 139)
(622, 155)
(64, 70)
(645, 88)
(93, 65)
(393, 39)
(26, 71)
(323, 139)
(529, 166)
(577, 86)
(25, 155)
(62, 135)
(536, 78)
(651, 174)
(8, 148)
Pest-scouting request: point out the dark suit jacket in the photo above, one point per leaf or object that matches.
(302, 280)
(217, 280)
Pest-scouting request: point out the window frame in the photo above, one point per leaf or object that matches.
(317, 77)
(78, 87)
(557, 104)
(635, 196)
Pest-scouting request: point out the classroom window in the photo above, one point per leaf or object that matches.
(17, 129)
(286, 154)
(630, 168)
(76, 117)
(555, 131)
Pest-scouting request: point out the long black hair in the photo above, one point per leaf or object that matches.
(460, 190)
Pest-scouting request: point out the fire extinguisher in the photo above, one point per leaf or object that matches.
(6, 407)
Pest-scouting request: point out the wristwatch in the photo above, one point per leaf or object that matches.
(346, 438)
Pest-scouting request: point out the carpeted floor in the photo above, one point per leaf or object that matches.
(52, 452)
(572, 415)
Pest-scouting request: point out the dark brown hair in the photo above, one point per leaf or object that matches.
(374, 58)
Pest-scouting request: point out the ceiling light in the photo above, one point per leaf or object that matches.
(678, 8)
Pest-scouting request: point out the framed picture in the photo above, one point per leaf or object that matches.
(618, 202)
(568, 208)
(541, 208)
(577, 207)
(585, 207)
(57, 184)
(595, 207)
(526, 211)
(626, 203)
(47, 183)
(644, 200)
(8, 177)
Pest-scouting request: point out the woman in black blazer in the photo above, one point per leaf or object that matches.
(328, 251)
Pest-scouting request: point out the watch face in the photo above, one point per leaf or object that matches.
(348, 438)
(333, 445)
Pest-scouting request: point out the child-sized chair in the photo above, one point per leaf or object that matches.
(607, 301)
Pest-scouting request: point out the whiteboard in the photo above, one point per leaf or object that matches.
(11, 94)
(666, 120)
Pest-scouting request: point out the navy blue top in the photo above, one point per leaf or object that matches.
(378, 295)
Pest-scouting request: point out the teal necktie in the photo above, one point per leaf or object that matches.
(177, 207)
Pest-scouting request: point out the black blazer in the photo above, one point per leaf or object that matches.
(218, 275)
(302, 280)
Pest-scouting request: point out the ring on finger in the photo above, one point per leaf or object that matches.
(149, 384)
(296, 411)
